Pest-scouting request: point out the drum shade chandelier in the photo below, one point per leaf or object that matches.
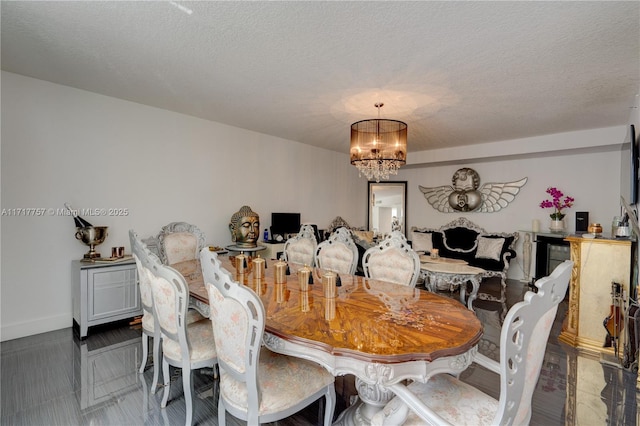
(378, 146)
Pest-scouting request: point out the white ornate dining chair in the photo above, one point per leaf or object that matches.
(392, 260)
(339, 253)
(179, 241)
(185, 346)
(445, 400)
(142, 255)
(256, 384)
(302, 247)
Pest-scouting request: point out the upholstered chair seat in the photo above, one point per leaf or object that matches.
(200, 336)
(282, 382)
(438, 393)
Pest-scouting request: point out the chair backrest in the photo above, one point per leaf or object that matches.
(302, 247)
(339, 253)
(142, 256)
(180, 241)
(338, 222)
(170, 302)
(238, 320)
(392, 260)
(523, 342)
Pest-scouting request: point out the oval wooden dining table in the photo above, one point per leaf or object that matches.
(383, 333)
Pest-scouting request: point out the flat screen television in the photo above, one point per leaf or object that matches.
(629, 167)
(284, 224)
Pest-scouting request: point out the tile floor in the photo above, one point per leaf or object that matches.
(55, 379)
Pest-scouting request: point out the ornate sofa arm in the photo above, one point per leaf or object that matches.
(507, 256)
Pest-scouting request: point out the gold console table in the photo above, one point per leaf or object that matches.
(597, 263)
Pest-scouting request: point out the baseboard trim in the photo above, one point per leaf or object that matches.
(36, 326)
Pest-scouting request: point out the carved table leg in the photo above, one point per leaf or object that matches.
(372, 398)
(475, 285)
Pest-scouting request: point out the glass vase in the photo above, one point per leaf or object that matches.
(556, 226)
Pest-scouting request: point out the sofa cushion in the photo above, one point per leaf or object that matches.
(422, 241)
(363, 237)
(489, 248)
(492, 264)
(460, 239)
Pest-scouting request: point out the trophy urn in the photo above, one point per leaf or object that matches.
(92, 236)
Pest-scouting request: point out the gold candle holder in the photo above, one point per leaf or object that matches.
(280, 272)
(241, 263)
(303, 277)
(329, 284)
(258, 286)
(258, 267)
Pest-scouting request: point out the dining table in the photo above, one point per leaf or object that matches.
(382, 333)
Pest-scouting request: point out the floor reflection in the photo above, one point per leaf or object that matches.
(105, 371)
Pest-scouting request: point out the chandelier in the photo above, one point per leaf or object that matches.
(378, 147)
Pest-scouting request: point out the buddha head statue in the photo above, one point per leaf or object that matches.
(245, 227)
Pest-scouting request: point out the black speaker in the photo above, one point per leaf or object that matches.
(582, 221)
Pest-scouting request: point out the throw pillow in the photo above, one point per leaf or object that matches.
(422, 241)
(366, 236)
(489, 248)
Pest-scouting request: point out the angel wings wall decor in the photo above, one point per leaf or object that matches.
(466, 195)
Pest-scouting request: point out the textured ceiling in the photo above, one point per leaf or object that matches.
(458, 73)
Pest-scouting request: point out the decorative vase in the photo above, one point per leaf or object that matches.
(556, 226)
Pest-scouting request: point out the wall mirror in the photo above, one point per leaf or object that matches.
(387, 207)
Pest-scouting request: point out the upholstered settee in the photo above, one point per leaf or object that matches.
(463, 239)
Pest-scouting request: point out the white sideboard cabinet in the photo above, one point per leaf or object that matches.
(103, 293)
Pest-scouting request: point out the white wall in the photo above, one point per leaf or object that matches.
(62, 144)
